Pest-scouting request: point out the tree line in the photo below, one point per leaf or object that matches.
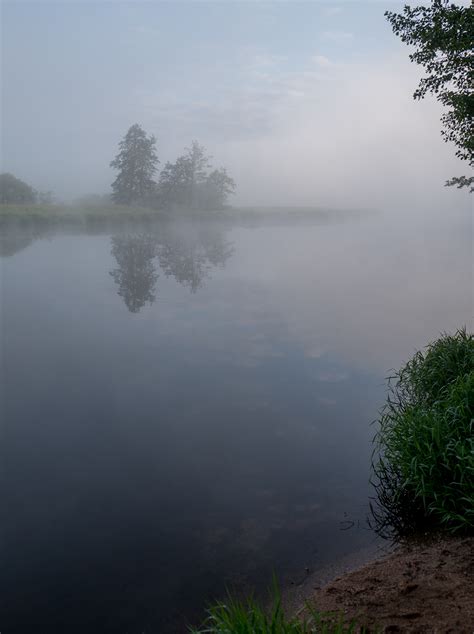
(17, 192)
(188, 183)
(442, 35)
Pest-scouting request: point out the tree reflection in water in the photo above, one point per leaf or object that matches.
(136, 273)
(17, 234)
(188, 254)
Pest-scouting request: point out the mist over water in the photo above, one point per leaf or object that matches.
(188, 378)
(305, 104)
(188, 405)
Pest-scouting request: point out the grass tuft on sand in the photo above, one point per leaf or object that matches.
(233, 616)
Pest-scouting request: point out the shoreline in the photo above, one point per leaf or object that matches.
(71, 213)
(296, 593)
(425, 586)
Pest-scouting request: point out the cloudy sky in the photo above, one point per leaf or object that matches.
(306, 103)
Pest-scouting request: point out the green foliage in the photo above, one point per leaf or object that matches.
(76, 212)
(444, 34)
(247, 617)
(186, 183)
(27, 210)
(424, 473)
(218, 187)
(181, 181)
(136, 163)
(15, 191)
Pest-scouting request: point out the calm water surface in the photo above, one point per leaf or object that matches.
(187, 407)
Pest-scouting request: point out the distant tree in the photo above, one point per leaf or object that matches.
(45, 198)
(181, 182)
(443, 35)
(197, 164)
(218, 187)
(187, 182)
(15, 191)
(173, 186)
(136, 163)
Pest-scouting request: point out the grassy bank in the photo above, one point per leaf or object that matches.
(111, 211)
(424, 444)
(74, 212)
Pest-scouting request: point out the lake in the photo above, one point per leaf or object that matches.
(187, 406)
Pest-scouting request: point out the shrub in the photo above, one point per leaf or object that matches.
(235, 617)
(424, 447)
(15, 191)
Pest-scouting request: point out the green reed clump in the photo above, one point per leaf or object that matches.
(424, 448)
(247, 617)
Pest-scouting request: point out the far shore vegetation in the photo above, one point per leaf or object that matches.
(102, 209)
(189, 184)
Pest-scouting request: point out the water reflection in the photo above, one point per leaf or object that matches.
(157, 464)
(204, 245)
(190, 255)
(18, 234)
(186, 253)
(136, 273)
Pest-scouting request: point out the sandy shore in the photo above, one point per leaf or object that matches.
(423, 587)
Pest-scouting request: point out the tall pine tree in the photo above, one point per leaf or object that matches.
(136, 163)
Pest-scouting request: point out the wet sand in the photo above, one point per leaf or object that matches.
(423, 587)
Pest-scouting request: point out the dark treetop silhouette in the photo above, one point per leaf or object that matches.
(136, 163)
(443, 34)
(187, 183)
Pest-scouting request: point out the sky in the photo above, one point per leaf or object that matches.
(305, 103)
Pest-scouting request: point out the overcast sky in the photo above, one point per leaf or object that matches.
(306, 103)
